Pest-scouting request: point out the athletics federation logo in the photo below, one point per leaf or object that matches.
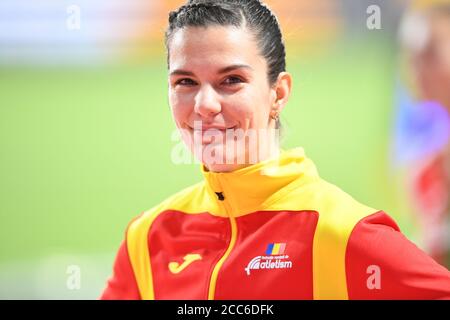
(274, 259)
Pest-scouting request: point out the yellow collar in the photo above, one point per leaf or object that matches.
(252, 188)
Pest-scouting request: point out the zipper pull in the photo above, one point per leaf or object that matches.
(220, 196)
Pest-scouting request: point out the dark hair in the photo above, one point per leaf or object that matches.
(256, 16)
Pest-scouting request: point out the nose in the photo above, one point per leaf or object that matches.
(207, 102)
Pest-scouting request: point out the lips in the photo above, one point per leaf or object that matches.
(206, 135)
(206, 128)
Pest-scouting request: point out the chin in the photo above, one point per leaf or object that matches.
(219, 163)
(223, 167)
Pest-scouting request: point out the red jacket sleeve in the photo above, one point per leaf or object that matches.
(122, 284)
(382, 264)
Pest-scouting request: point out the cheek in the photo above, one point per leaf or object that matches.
(251, 107)
(180, 107)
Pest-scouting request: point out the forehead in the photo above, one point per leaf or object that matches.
(214, 47)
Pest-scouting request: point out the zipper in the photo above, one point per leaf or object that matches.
(215, 273)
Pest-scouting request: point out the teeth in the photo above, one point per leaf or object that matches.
(206, 129)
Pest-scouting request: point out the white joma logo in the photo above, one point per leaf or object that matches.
(268, 262)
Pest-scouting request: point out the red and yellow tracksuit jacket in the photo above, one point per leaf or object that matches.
(273, 230)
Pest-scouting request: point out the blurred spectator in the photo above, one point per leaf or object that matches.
(423, 126)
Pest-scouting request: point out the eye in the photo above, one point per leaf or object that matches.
(185, 82)
(233, 80)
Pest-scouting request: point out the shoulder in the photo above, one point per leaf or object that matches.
(382, 263)
(338, 211)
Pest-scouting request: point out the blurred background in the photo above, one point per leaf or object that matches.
(85, 125)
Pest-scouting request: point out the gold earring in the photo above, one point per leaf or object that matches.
(275, 114)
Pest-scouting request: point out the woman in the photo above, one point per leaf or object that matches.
(423, 126)
(262, 225)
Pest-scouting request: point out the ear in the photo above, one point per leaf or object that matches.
(282, 90)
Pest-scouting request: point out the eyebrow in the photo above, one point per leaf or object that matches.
(223, 70)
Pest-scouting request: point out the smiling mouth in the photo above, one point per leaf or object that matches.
(206, 136)
(204, 129)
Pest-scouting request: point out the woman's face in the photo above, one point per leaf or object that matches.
(432, 64)
(220, 95)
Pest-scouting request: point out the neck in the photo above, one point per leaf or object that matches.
(269, 150)
(236, 166)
